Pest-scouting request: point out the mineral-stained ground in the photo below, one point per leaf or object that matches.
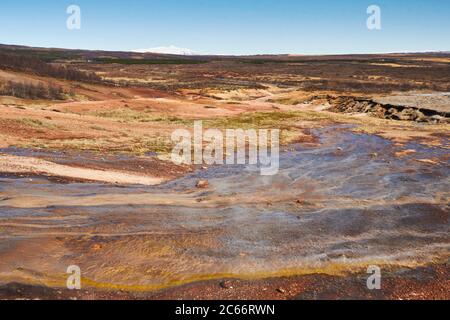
(86, 177)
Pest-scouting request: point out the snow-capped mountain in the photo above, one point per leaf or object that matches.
(168, 50)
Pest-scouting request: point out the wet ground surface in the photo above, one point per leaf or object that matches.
(430, 282)
(335, 208)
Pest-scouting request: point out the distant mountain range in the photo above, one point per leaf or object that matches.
(169, 52)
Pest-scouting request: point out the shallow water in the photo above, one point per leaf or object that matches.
(348, 202)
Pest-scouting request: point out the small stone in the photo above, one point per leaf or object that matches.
(281, 290)
(202, 184)
(301, 202)
(226, 284)
(421, 119)
(437, 118)
(96, 246)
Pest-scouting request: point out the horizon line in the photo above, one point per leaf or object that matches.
(229, 55)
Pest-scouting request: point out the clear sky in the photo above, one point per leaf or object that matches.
(230, 26)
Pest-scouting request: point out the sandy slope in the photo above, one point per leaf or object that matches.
(16, 164)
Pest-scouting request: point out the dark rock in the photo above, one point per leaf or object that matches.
(226, 284)
(202, 184)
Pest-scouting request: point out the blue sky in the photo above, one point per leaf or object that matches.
(231, 26)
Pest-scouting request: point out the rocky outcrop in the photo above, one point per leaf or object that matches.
(347, 104)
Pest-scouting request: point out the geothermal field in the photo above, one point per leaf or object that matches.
(87, 177)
